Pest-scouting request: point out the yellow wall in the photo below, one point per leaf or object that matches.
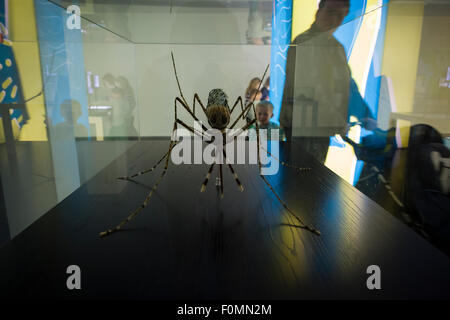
(401, 50)
(303, 14)
(364, 46)
(22, 27)
(401, 55)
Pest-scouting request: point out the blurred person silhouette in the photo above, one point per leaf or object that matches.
(318, 82)
(121, 113)
(123, 83)
(108, 83)
(259, 22)
(255, 96)
(71, 111)
(253, 84)
(265, 90)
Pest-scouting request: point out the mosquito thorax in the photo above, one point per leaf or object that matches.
(217, 109)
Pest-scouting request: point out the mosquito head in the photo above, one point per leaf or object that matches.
(217, 109)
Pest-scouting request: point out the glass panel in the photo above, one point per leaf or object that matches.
(71, 99)
(182, 21)
(369, 97)
(347, 84)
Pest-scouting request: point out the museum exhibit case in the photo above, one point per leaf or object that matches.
(120, 153)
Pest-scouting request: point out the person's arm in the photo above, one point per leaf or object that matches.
(359, 108)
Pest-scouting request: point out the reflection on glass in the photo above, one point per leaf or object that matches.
(356, 91)
(356, 87)
(259, 22)
(49, 138)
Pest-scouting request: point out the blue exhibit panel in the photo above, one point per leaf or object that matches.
(10, 84)
(62, 61)
(281, 36)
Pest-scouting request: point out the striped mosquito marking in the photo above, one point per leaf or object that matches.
(145, 171)
(302, 224)
(232, 171)
(241, 187)
(208, 175)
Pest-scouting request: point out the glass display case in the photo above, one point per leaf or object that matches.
(358, 92)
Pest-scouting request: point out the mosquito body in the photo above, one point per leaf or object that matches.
(217, 110)
(218, 113)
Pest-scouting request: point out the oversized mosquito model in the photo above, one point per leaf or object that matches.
(218, 114)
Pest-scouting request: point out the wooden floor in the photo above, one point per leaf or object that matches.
(192, 245)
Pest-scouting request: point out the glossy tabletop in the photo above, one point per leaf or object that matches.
(191, 245)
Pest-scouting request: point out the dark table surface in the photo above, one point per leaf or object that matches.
(192, 245)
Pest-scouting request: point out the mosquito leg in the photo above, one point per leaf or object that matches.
(185, 106)
(160, 160)
(257, 140)
(145, 171)
(183, 100)
(238, 100)
(236, 178)
(155, 186)
(197, 98)
(208, 175)
(241, 187)
(199, 133)
(302, 224)
(241, 130)
(146, 200)
(176, 77)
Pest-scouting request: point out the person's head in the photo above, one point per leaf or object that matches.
(255, 94)
(109, 80)
(254, 84)
(70, 110)
(331, 13)
(264, 112)
(122, 83)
